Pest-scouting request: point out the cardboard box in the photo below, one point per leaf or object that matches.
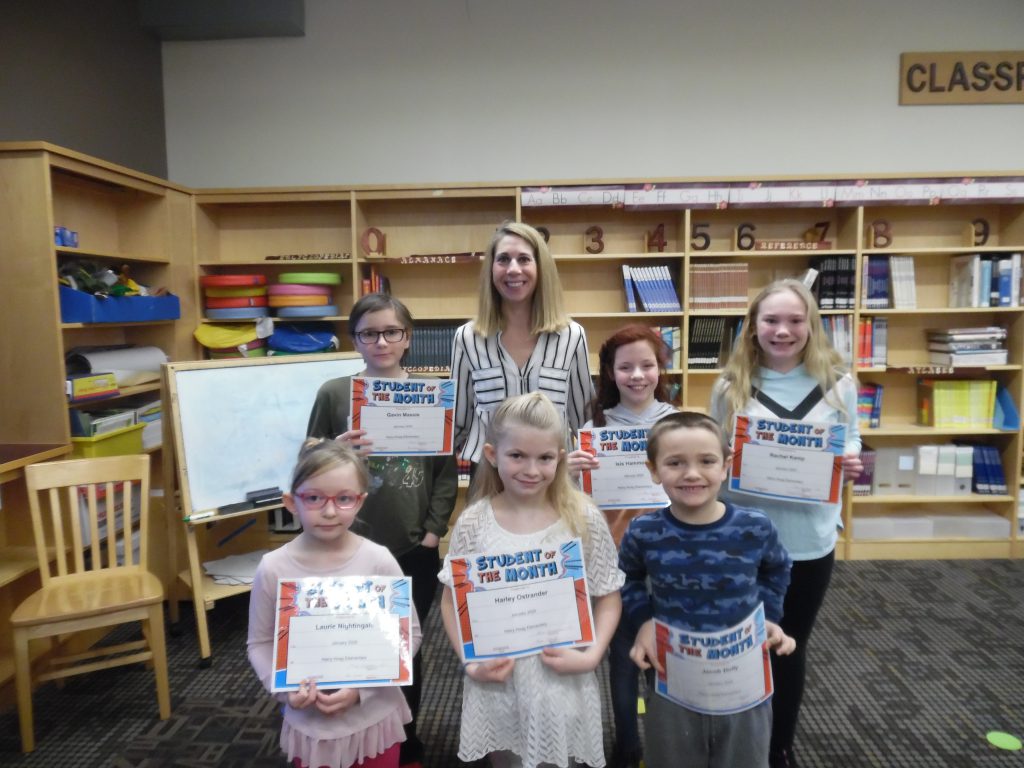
(81, 307)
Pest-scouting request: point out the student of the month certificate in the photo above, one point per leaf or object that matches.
(622, 481)
(798, 461)
(716, 673)
(517, 603)
(405, 417)
(350, 631)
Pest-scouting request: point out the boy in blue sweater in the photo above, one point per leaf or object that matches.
(709, 565)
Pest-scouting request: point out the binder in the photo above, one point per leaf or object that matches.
(946, 477)
(926, 480)
(963, 471)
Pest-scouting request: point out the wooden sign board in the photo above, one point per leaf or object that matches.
(962, 77)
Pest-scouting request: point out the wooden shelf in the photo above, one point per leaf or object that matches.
(212, 591)
(14, 456)
(92, 253)
(973, 498)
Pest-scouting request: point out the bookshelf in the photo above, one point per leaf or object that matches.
(122, 218)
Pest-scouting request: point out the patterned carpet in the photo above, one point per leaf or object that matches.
(912, 663)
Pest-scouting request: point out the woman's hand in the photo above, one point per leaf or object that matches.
(492, 671)
(338, 701)
(579, 460)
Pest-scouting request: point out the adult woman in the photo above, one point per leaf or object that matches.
(520, 341)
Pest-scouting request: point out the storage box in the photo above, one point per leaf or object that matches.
(81, 307)
(117, 443)
(977, 526)
(92, 423)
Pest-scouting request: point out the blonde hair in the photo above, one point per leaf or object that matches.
(548, 312)
(822, 362)
(319, 455)
(534, 410)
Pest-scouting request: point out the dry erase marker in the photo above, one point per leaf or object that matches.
(201, 515)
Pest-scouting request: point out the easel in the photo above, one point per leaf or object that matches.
(264, 422)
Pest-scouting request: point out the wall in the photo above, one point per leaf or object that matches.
(83, 75)
(486, 90)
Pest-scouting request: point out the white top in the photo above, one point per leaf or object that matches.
(486, 374)
(541, 716)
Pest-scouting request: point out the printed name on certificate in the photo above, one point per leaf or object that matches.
(622, 481)
(350, 631)
(715, 673)
(518, 603)
(405, 417)
(799, 461)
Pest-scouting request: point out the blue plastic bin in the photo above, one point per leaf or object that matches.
(81, 307)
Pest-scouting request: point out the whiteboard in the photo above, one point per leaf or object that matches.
(238, 424)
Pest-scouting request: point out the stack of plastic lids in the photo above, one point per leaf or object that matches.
(302, 339)
(304, 294)
(235, 297)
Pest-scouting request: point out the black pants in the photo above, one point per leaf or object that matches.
(422, 564)
(808, 583)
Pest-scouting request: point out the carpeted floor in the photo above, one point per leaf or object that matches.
(912, 663)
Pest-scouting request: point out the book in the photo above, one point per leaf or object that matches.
(865, 480)
(869, 405)
(969, 358)
(880, 342)
(904, 285)
(627, 286)
(994, 466)
(82, 387)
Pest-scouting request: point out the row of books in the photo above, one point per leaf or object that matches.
(872, 341)
(990, 280)
(869, 405)
(931, 470)
(711, 341)
(956, 403)
(834, 286)
(966, 347)
(838, 331)
(373, 281)
(719, 286)
(888, 282)
(650, 289)
(430, 350)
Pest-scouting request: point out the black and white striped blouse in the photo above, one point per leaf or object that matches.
(486, 374)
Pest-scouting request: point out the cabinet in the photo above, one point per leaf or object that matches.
(121, 217)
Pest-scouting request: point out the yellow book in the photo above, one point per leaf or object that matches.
(90, 386)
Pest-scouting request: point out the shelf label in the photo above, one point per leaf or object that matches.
(678, 196)
(768, 193)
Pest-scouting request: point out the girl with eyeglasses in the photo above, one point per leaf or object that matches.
(348, 726)
(410, 498)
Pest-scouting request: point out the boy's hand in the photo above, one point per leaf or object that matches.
(304, 697)
(356, 439)
(644, 652)
(570, 661)
(493, 671)
(337, 701)
(779, 641)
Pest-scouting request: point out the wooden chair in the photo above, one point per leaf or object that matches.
(85, 534)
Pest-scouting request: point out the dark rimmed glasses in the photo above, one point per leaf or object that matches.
(391, 336)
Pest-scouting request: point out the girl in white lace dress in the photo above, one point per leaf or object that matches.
(543, 709)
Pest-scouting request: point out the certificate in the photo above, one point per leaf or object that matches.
(349, 631)
(518, 603)
(623, 480)
(717, 673)
(405, 417)
(798, 461)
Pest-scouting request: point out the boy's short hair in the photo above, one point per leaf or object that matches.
(680, 420)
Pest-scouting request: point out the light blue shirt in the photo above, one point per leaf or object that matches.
(808, 531)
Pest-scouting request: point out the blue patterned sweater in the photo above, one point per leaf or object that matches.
(703, 577)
